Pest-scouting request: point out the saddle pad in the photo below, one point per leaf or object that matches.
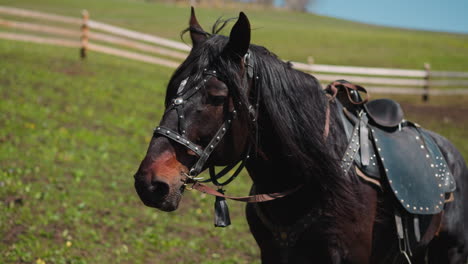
(412, 170)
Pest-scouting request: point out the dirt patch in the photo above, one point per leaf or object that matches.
(11, 236)
(456, 115)
(14, 200)
(75, 70)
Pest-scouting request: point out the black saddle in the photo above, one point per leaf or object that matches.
(395, 150)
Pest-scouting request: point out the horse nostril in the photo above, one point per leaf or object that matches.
(159, 188)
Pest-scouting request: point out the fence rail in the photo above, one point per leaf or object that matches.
(380, 80)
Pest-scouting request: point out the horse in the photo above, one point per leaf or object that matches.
(232, 101)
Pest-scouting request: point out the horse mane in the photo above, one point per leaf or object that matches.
(295, 104)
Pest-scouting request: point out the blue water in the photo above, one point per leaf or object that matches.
(433, 15)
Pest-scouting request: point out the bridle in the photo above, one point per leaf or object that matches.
(203, 153)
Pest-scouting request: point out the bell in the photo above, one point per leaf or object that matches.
(221, 217)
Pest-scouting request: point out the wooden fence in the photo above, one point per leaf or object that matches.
(90, 35)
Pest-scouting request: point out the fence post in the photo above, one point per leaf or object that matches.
(427, 68)
(84, 34)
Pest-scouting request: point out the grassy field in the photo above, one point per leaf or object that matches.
(73, 133)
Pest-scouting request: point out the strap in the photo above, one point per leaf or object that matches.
(259, 198)
(197, 168)
(333, 88)
(169, 133)
(351, 149)
(214, 177)
(364, 138)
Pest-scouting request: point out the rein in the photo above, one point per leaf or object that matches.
(258, 198)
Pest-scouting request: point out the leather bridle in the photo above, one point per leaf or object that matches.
(203, 153)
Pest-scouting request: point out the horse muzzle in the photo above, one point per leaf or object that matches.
(159, 194)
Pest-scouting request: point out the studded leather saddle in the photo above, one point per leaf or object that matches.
(394, 150)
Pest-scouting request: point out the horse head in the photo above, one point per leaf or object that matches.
(204, 123)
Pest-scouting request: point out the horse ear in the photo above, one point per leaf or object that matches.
(239, 39)
(196, 31)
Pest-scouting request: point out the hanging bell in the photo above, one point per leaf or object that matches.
(221, 217)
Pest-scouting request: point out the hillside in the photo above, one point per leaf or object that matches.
(293, 36)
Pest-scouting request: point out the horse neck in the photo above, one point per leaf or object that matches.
(272, 171)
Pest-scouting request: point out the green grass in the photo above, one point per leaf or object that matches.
(72, 133)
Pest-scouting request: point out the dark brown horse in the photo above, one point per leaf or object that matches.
(231, 101)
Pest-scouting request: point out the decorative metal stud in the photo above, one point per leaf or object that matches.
(422, 146)
(211, 147)
(414, 208)
(168, 132)
(407, 206)
(178, 137)
(178, 101)
(417, 137)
